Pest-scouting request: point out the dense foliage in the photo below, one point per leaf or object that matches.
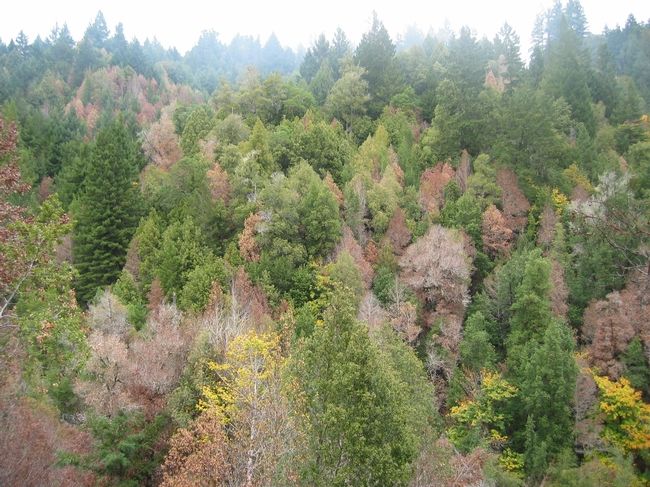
(417, 263)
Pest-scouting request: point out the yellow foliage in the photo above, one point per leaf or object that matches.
(511, 461)
(560, 201)
(482, 412)
(252, 362)
(574, 174)
(627, 417)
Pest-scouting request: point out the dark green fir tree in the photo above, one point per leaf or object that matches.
(107, 212)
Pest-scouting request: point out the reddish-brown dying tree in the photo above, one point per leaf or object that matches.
(197, 454)
(398, 233)
(559, 290)
(336, 191)
(160, 142)
(432, 185)
(515, 205)
(497, 237)
(610, 324)
(464, 170)
(437, 266)
(547, 221)
(219, 184)
(248, 246)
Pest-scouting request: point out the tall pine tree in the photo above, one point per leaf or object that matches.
(107, 212)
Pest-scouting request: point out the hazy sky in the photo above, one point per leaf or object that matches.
(179, 23)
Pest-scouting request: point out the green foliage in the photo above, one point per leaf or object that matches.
(323, 146)
(383, 283)
(181, 250)
(613, 469)
(636, 366)
(197, 125)
(566, 76)
(128, 449)
(107, 212)
(303, 223)
(348, 97)
(195, 294)
(531, 310)
(50, 323)
(464, 213)
(547, 386)
(359, 425)
(375, 54)
(476, 350)
(531, 128)
(482, 183)
(126, 289)
(345, 275)
(639, 159)
(480, 421)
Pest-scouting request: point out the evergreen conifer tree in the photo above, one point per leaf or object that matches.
(107, 212)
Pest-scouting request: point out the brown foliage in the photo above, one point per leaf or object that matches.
(464, 170)
(398, 233)
(133, 372)
(45, 188)
(108, 365)
(31, 436)
(126, 88)
(441, 465)
(252, 297)
(547, 221)
(219, 184)
(156, 296)
(403, 319)
(336, 191)
(579, 194)
(451, 334)
(156, 361)
(515, 204)
(588, 424)
(371, 311)
(559, 290)
(160, 143)
(248, 247)
(371, 252)
(228, 316)
(208, 147)
(10, 183)
(349, 244)
(611, 323)
(32, 433)
(63, 250)
(394, 164)
(197, 455)
(432, 185)
(132, 263)
(497, 237)
(109, 316)
(437, 266)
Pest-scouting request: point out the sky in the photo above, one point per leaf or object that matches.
(179, 23)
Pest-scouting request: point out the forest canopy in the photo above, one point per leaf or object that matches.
(421, 263)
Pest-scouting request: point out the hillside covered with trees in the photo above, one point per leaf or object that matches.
(417, 262)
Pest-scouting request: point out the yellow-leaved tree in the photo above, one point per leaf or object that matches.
(250, 400)
(627, 417)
